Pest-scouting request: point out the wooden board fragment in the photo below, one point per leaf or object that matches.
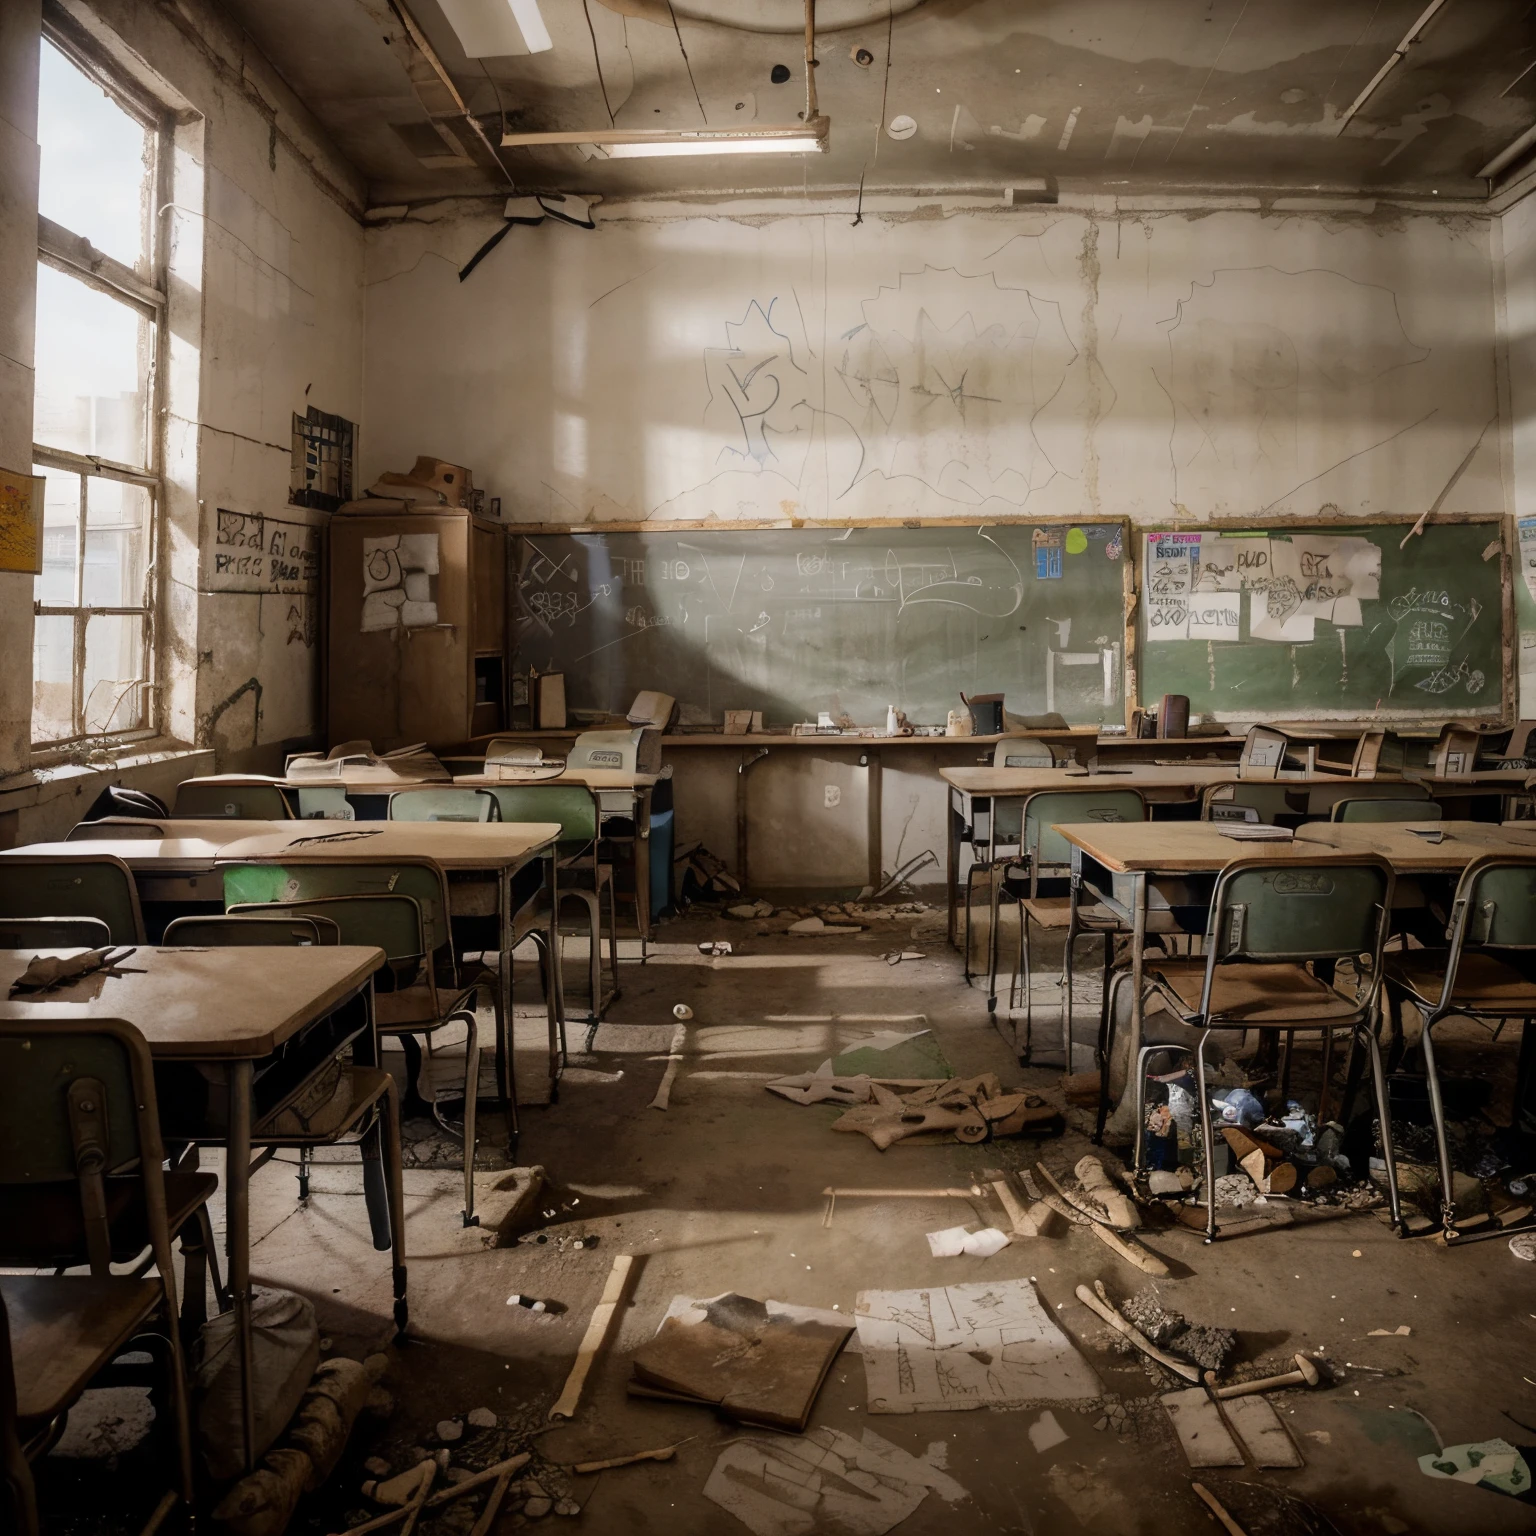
(1264, 1436)
(1197, 1422)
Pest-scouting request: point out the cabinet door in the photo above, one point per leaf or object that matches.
(490, 583)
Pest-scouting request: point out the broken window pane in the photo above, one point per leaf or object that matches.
(114, 672)
(96, 161)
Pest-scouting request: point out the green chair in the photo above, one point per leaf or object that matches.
(1045, 853)
(255, 928)
(1385, 810)
(230, 798)
(1271, 920)
(95, 885)
(1487, 974)
(324, 802)
(581, 872)
(400, 907)
(82, 1184)
(443, 805)
(54, 933)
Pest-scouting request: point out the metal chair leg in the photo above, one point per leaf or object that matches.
(1106, 1050)
(1437, 1114)
(394, 1191)
(1384, 1114)
(304, 1159)
(1207, 1138)
(471, 1101)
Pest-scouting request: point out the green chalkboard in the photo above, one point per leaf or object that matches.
(795, 621)
(1327, 623)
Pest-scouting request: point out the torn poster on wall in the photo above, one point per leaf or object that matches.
(1193, 584)
(398, 572)
(1527, 527)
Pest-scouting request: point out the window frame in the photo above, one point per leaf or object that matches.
(145, 292)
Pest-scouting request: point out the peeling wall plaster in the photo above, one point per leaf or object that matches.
(1215, 365)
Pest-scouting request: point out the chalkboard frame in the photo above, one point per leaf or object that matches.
(1498, 522)
(1129, 568)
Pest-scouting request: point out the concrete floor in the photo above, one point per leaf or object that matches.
(722, 1191)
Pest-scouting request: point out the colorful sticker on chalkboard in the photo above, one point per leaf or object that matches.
(1077, 541)
(1048, 562)
(21, 522)
(1114, 549)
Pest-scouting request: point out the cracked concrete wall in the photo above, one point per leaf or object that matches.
(265, 257)
(1186, 365)
(1517, 241)
(1181, 366)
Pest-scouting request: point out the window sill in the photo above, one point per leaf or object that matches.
(57, 769)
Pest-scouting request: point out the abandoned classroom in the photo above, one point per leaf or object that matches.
(767, 766)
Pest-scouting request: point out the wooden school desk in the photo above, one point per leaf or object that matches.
(974, 794)
(1120, 862)
(224, 1011)
(493, 850)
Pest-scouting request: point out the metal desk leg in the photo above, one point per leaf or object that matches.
(237, 1182)
(507, 1076)
(952, 862)
(555, 994)
(642, 870)
(1138, 945)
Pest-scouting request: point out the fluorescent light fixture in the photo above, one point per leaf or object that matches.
(807, 138)
(493, 29)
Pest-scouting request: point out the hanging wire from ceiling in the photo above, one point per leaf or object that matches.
(586, 10)
(678, 31)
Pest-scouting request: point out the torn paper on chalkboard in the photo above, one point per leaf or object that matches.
(1168, 579)
(1527, 527)
(1215, 615)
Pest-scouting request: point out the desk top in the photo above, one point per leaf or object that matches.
(450, 844)
(593, 778)
(1187, 847)
(1026, 781)
(215, 828)
(167, 855)
(204, 1004)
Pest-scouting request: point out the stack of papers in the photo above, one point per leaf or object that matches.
(1257, 832)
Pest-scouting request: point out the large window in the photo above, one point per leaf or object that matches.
(96, 422)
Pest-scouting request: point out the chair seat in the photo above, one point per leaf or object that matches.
(1260, 996)
(1056, 912)
(41, 1225)
(65, 1329)
(1484, 982)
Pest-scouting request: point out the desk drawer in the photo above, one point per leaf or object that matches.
(182, 888)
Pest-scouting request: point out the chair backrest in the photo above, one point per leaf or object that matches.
(325, 802)
(1022, 752)
(226, 800)
(1496, 902)
(1386, 810)
(390, 923)
(443, 805)
(77, 1103)
(574, 806)
(117, 829)
(307, 880)
(255, 929)
(1244, 802)
(1052, 807)
(96, 885)
(1290, 910)
(54, 933)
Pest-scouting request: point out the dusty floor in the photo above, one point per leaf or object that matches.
(723, 1191)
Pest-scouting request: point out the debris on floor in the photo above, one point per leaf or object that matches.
(964, 1109)
(953, 1241)
(986, 1345)
(1203, 1435)
(1492, 1464)
(1208, 1348)
(732, 1353)
(828, 1481)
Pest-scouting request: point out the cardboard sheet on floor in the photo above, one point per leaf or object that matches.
(894, 1053)
(1254, 1421)
(1197, 1422)
(986, 1345)
(827, 1481)
(730, 1352)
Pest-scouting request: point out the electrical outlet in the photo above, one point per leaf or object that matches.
(832, 794)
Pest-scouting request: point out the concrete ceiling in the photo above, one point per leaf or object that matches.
(1106, 96)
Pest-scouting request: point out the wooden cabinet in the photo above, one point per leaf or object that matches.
(416, 641)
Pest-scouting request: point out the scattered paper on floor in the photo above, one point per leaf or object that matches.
(953, 1241)
(983, 1345)
(826, 1481)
